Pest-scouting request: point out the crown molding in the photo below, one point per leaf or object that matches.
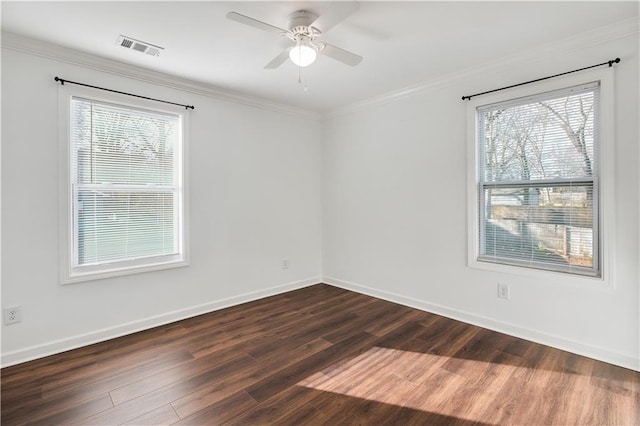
(593, 37)
(67, 55)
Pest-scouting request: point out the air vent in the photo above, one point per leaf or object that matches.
(140, 46)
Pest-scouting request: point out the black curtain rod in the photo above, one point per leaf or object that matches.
(610, 63)
(63, 81)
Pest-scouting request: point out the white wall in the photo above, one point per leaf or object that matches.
(395, 209)
(255, 199)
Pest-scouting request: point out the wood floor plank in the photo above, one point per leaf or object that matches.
(164, 415)
(62, 414)
(185, 379)
(319, 355)
(387, 314)
(139, 405)
(314, 327)
(481, 387)
(300, 370)
(275, 407)
(227, 340)
(117, 379)
(224, 387)
(436, 394)
(149, 383)
(305, 414)
(222, 411)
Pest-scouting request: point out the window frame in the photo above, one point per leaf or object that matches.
(604, 181)
(71, 273)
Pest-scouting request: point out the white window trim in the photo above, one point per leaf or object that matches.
(69, 274)
(606, 184)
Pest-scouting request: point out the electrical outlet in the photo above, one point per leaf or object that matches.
(12, 315)
(503, 291)
(285, 263)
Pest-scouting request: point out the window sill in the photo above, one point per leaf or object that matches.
(540, 274)
(90, 274)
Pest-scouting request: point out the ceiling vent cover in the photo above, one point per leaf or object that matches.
(140, 46)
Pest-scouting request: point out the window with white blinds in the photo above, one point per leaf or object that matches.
(125, 194)
(538, 181)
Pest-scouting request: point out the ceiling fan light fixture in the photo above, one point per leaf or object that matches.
(303, 54)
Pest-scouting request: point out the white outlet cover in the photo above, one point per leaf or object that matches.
(503, 291)
(12, 315)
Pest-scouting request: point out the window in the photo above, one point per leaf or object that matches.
(537, 189)
(124, 189)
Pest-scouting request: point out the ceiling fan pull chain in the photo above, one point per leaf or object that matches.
(300, 81)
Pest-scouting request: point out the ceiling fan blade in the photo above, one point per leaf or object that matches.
(338, 12)
(341, 55)
(278, 60)
(235, 16)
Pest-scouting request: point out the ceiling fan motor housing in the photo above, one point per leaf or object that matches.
(300, 24)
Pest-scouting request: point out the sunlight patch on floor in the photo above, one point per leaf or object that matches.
(416, 380)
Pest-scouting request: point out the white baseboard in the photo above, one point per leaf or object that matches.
(62, 345)
(598, 353)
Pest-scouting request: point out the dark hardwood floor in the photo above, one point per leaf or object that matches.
(319, 355)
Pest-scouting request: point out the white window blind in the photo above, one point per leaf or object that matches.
(125, 186)
(538, 189)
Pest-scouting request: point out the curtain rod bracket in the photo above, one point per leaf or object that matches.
(62, 81)
(610, 63)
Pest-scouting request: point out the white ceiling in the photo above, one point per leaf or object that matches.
(403, 43)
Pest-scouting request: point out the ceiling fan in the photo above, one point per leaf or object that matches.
(305, 27)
